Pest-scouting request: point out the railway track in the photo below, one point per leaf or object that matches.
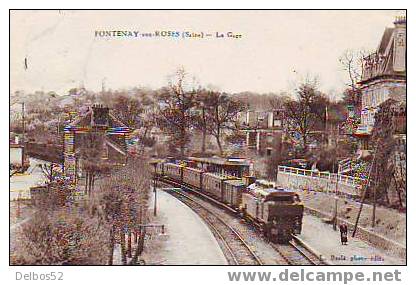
(294, 253)
(236, 250)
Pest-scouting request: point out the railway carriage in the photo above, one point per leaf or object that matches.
(173, 170)
(233, 190)
(192, 176)
(159, 168)
(214, 184)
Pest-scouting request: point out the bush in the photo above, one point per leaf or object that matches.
(61, 238)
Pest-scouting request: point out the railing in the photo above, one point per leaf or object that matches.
(364, 129)
(333, 177)
(344, 165)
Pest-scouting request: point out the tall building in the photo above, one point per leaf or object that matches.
(264, 131)
(384, 74)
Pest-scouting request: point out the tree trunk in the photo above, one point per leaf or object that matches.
(92, 182)
(204, 132)
(86, 182)
(305, 143)
(398, 191)
(89, 183)
(135, 237)
(111, 247)
(204, 138)
(123, 247)
(129, 244)
(182, 142)
(219, 144)
(139, 247)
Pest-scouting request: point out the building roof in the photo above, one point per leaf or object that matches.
(388, 32)
(389, 60)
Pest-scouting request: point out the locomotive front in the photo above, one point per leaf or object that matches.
(285, 213)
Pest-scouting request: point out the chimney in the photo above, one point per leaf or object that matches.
(400, 22)
(100, 115)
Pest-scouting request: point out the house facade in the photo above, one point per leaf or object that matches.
(383, 75)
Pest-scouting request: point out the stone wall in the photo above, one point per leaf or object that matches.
(298, 182)
(366, 235)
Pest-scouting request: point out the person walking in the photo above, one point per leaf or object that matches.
(343, 229)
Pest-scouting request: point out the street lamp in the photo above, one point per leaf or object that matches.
(154, 189)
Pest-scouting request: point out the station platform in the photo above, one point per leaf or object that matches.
(187, 239)
(324, 240)
(20, 183)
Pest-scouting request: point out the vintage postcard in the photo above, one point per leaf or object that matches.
(208, 137)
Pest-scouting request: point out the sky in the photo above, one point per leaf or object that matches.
(59, 50)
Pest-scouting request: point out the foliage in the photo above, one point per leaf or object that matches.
(60, 238)
(122, 202)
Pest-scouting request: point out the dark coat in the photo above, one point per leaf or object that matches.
(344, 232)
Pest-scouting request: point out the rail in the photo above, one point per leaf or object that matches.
(294, 253)
(236, 250)
(332, 177)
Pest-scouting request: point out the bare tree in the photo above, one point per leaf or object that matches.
(353, 63)
(201, 120)
(128, 110)
(136, 111)
(306, 112)
(277, 102)
(91, 152)
(175, 110)
(222, 115)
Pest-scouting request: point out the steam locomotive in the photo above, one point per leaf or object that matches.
(278, 211)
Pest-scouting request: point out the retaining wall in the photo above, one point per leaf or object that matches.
(364, 234)
(293, 181)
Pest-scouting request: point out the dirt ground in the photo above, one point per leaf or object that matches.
(389, 223)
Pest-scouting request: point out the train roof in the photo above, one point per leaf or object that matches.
(156, 160)
(236, 182)
(193, 169)
(174, 164)
(221, 160)
(221, 176)
(270, 192)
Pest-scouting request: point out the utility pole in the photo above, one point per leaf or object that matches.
(373, 220)
(23, 122)
(23, 137)
(154, 190)
(365, 191)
